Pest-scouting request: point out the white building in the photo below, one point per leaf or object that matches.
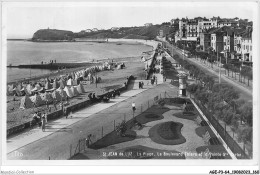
(238, 44)
(204, 25)
(148, 24)
(114, 28)
(227, 23)
(88, 30)
(246, 46)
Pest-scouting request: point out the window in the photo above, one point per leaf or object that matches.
(250, 48)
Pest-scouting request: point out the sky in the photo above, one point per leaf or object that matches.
(21, 20)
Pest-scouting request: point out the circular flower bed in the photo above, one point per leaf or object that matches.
(168, 133)
(152, 116)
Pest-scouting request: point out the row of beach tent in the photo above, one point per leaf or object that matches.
(49, 97)
(72, 79)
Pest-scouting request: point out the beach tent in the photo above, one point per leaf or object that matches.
(39, 88)
(69, 82)
(62, 93)
(56, 95)
(74, 91)
(55, 84)
(10, 89)
(29, 89)
(62, 83)
(19, 87)
(26, 102)
(37, 100)
(47, 85)
(16, 91)
(25, 91)
(72, 75)
(80, 88)
(68, 91)
(34, 89)
(47, 97)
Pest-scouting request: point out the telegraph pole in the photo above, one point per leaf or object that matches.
(219, 67)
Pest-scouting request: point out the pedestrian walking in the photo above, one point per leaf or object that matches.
(156, 80)
(88, 140)
(54, 104)
(43, 123)
(133, 106)
(65, 112)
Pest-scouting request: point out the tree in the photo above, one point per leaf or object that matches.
(121, 129)
(228, 115)
(202, 96)
(247, 114)
(245, 134)
(193, 88)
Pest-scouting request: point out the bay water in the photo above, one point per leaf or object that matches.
(26, 52)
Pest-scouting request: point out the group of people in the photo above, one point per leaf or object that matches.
(104, 98)
(40, 119)
(92, 97)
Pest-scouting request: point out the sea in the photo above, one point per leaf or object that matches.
(26, 52)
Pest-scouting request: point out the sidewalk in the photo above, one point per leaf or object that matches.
(61, 124)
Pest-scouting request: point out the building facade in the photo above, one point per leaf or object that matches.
(217, 42)
(246, 46)
(204, 25)
(228, 41)
(148, 24)
(205, 41)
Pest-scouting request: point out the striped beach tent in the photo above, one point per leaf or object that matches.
(29, 88)
(25, 91)
(69, 82)
(47, 97)
(68, 92)
(48, 85)
(80, 88)
(56, 95)
(62, 83)
(55, 84)
(37, 100)
(26, 102)
(16, 91)
(74, 91)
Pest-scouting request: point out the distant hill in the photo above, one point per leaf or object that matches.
(143, 32)
(52, 35)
